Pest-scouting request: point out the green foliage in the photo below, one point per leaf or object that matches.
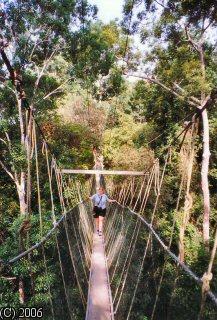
(81, 75)
(71, 143)
(98, 45)
(115, 84)
(121, 140)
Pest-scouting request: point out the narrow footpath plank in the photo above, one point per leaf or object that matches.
(99, 297)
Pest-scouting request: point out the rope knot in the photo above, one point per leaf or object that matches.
(206, 278)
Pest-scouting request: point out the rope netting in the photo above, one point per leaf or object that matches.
(45, 260)
(137, 260)
(57, 271)
(149, 276)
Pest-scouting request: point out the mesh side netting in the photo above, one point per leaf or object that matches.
(56, 274)
(146, 282)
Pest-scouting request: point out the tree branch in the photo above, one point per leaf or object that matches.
(3, 141)
(7, 171)
(193, 43)
(184, 92)
(40, 74)
(8, 278)
(8, 65)
(33, 50)
(10, 151)
(158, 82)
(160, 4)
(205, 28)
(56, 90)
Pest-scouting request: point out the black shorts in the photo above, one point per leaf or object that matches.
(98, 212)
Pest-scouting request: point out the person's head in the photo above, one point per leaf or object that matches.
(101, 190)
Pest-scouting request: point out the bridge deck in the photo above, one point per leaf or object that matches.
(99, 296)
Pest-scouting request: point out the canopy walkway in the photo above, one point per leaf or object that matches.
(133, 269)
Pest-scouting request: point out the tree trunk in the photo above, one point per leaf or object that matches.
(21, 291)
(204, 177)
(188, 155)
(21, 189)
(206, 155)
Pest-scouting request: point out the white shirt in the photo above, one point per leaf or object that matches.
(100, 200)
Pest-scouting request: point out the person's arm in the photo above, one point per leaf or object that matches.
(110, 200)
(92, 197)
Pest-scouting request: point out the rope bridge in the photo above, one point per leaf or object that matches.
(57, 249)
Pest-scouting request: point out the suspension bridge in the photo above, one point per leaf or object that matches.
(133, 269)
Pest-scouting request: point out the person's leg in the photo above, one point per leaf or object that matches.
(101, 219)
(100, 224)
(97, 223)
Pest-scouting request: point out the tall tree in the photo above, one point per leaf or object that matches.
(184, 29)
(32, 35)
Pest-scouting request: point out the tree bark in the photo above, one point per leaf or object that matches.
(204, 177)
(21, 190)
(206, 154)
(21, 291)
(188, 154)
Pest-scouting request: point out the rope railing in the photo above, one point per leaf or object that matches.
(52, 242)
(146, 201)
(64, 254)
(136, 266)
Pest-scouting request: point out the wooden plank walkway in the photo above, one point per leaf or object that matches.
(99, 305)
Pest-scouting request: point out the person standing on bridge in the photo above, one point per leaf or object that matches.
(100, 200)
